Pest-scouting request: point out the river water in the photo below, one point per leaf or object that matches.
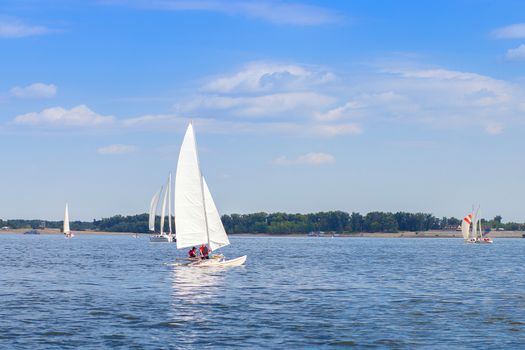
(115, 291)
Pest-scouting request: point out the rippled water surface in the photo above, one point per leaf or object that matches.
(123, 292)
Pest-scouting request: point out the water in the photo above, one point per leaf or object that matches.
(110, 291)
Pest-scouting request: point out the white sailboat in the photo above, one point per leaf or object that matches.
(472, 230)
(198, 220)
(163, 237)
(65, 229)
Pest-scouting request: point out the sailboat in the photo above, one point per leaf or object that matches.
(198, 220)
(65, 229)
(471, 229)
(162, 237)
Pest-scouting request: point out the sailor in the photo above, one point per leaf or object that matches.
(204, 252)
(192, 253)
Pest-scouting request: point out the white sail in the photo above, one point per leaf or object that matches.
(474, 230)
(465, 226)
(153, 209)
(217, 234)
(169, 204)
(163, 211)
(66, 229)
(191, 223)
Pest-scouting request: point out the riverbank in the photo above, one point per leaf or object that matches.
(405, 234)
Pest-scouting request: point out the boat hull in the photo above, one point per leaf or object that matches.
(483, 241)
(161, 239)
(220, 262)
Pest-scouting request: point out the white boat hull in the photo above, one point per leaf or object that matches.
(69, 235)
(482, 241)
(220, 262)
(161, 239)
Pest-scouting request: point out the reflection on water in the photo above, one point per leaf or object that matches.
(193, 285)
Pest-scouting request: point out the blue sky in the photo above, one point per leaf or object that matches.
(299, 106)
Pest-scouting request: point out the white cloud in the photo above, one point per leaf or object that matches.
(275, 11)
(14, 28)
(437, 98)
(261, 77)
(313, 158)
(116, 149)
(332, 130)
(57, 116)
(514, 31)
(516, 54)
(257, 106)
(446, 99)
(36, 90)
(494, 129)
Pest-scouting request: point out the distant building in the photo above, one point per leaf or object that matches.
(5, 228)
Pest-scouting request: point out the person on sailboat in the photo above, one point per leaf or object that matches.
(204, 252)
(192, 253)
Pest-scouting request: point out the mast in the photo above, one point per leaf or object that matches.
(202, 185)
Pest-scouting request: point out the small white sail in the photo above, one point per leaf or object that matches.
(465, 226)
(169, 204)
(153, 209)
(163, 211)
(191, 225)
(217, 235)
(66, 229)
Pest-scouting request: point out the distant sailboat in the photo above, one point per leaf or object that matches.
(471, 229)
(65, 229)
(162, 237)
(198, 220)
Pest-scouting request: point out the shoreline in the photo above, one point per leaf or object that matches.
(405, 234)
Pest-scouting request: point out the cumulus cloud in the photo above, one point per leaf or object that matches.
(516, 54)
(406, 94)
(14, 28)
(446, 99)
(36, 90)
(494, 129)
(58, 116)
(275, 11)
(264, 105)
(514, 31)
(116, 149)
(263, 76)
(285, 97)
(313, 158)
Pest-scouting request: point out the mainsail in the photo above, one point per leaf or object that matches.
(153, 209)
(465, 226)
(163, 211)
(66, 229)
(216, 233)
(191, 223)
(169, 204)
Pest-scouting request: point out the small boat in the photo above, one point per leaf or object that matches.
(198, 220)
(65, 229)
(162, 237)
(32, 232)
(472, 231)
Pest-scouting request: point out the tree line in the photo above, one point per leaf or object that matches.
(281, 223)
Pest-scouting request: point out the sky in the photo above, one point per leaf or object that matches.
(298, 106)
